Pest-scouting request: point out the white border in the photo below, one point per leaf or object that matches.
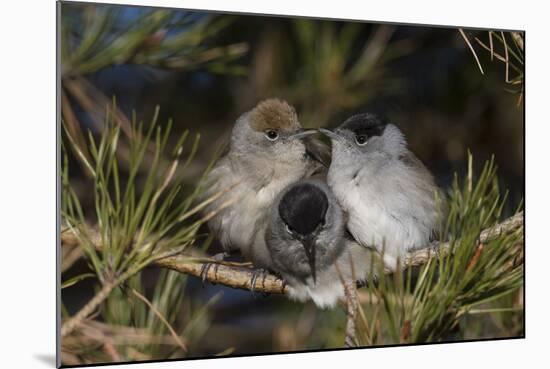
(27, 192)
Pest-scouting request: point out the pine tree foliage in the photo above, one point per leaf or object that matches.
(427, 304)
(142, 212)
(140, 219)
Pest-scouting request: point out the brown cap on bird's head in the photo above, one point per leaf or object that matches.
(273, 114)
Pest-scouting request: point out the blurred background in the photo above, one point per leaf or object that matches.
(449, 90)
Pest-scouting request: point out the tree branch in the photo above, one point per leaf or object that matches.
(420, 257)
(227, 275)
(70, 324)
(240, 276)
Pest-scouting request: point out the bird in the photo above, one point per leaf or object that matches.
(391, 199)
(306, 237)
(267, 151)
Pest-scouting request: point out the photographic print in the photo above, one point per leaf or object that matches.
(244, 184)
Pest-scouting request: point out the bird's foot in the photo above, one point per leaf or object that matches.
(253, 280)
(434, 247)
(206, 266)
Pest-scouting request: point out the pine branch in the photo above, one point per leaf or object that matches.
(350, 339)
(240, 277)
(70, 324)
(227, 275)
(421, 256)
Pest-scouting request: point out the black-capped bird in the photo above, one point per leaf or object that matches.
(309, 247)
(390, 197)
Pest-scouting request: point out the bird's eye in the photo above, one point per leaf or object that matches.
(289, 229)
(361, 139)
(271, 134)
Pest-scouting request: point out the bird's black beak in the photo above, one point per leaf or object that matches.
(330, 134)
(309, 246)
(301, 133)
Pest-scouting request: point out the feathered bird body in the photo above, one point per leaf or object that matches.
(241, 225)
(352, 265)
(252, 173)
(390, 197)
(309, 248)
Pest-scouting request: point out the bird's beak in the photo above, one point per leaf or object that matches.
(303, 133)
(330, 134)
(309, 246)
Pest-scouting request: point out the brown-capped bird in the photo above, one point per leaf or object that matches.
(268, 150)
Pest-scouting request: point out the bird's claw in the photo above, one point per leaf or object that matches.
(254, 278)
(204, 271)
(206, 266)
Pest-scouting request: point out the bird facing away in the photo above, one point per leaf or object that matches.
(390, 197)
(306, 239)
(266, 153)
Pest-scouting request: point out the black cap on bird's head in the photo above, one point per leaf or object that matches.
(360, 126)
(367, 124)
(364, 134)
(303, 209)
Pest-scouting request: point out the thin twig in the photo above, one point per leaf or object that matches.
(118, 335)
(71, 257)
(351, 337)
(491, 44)
(350, 292)
(110, 350)
(162, 318)
(73, 130)
(518, 40)
(506, 56)
(472, 49)
(498, 56)
(70, 324)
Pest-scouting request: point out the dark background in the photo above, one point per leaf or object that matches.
(425, 79)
